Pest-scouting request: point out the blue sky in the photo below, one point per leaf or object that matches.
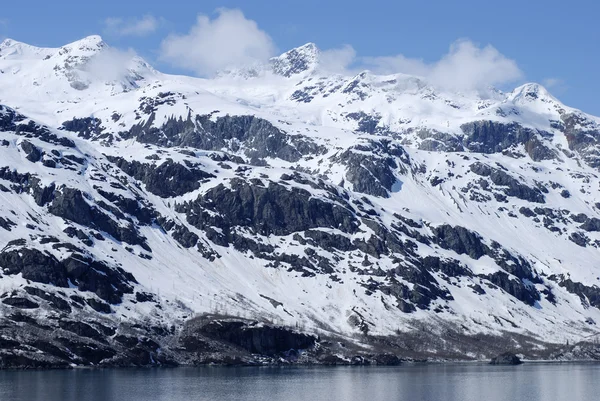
(555, 43)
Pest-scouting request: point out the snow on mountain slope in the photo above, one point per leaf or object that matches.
(48, 80)
(375, 208)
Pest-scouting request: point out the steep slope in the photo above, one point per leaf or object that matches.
(149, 218)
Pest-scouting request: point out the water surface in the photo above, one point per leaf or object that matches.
(460, 382)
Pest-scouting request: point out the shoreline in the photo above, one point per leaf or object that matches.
(222, 341)
(406, 363)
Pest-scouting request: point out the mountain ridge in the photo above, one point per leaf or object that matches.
(162, 219)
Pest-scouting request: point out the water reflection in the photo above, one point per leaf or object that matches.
(458, 382)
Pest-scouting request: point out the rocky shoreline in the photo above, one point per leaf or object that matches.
(226, 341)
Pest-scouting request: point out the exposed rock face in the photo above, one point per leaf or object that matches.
(7, 224)
(33, 153)
(583, 136)
(517, 288)
(258, 339)
(509, 185)
(508, 358)
(493, 137)
(70, 204)
(109, 283)
(88, 128)
(296, 61)
(74, 342)
(11, 121)
(460, 240)
(257, 138)
(35, 266)
(588, 294)
(370, 167)
(165, 180)
(269, 209)
(436, 141)
(20, 303)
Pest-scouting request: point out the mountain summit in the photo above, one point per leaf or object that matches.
(150, 219)
(70, 70)
(88, 46)
(300, 60)
(90, 43)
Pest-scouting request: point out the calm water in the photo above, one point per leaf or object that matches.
(464, 382)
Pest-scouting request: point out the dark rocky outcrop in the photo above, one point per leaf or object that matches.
(421, 295)
(591, 225)
(508, 184)
(371, 166)
(34, 154)
(81, 329)
(34, 265)
(20, 303)
(86, 128)
(28, 183)
(515, 287)
(109, 283)
(11, 121)
(71, 204)
(7, 224)
(436, 141)
(274, 209)
(255, 137)
(579, 239)
(589, 295)
(463, 241)
(508, 358)
(583, 136)
(257, 339)
(492, 137)
(460, 240)
(367, 123)
(295, 61)
(167, 179)
(139, 208)
(55, 301)
(329, 241)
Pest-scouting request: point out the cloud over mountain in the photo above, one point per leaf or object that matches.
(466, 66)
(228, 40)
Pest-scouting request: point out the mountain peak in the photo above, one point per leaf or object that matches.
(308, 48)
(531, 92)
(85, 47)
(80, 64)
(296, 61)
(92, 40)
(90, 44)
(13, 49)
(8, 42)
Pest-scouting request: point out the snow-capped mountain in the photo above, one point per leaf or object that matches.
(149, 218)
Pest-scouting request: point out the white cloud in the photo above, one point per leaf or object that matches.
(231, 40)
(131, 26)
(465, 67)
(558, 86)
(552, 82)
(227, 41)
(396, 64)
(110, 65)
(337, 60)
